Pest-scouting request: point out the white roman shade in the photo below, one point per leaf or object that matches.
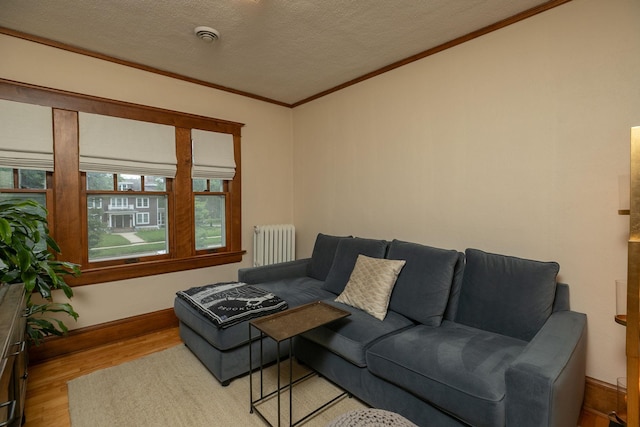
(212, 155)
(115, 145)
(26, 136)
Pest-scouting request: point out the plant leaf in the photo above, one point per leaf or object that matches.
(5, 230)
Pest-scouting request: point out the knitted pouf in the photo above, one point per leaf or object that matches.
(370, 418)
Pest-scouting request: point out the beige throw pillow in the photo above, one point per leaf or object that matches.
(370, 285)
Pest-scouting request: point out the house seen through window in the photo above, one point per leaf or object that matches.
(127, 222)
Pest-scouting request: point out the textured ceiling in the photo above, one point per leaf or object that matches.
(283, 50)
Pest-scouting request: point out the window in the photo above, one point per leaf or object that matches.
(137, 213)
(142, 218)
(213, 166)
(142, 202)
(26, 151)
(25, 184)
(94, 202)
(210, 223)
(124, 229)
(119, 203)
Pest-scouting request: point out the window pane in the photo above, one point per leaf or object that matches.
(99, 181)
(155, 183)
(162, 211)
(126, 226)
(215, 185)
(32, 179)
(199, 184)
(142, 202)
(210, 222)
(36, 197)
(6, 178)
(129, 182)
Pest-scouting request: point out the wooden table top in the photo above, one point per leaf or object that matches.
(289, 323)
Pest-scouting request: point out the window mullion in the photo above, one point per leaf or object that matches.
(182, 229)
(69, 226)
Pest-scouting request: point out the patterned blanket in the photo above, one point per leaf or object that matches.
(227, 304)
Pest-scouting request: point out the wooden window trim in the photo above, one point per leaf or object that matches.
(68, 196)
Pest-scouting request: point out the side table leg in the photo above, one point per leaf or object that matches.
(250, 374)
(278, 363)
(290, 384)
(261, 365)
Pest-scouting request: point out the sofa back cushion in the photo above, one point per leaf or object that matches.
(424, 284)
(507, 295)
(345, 259)
(324, 251)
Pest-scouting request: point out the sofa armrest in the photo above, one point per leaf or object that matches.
(268, 273)
(545, 384)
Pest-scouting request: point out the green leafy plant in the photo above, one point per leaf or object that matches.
(28, 255)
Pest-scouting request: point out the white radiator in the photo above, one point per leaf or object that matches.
(273, 244)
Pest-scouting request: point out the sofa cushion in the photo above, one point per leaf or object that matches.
(345, 259)
(324, 250)
(295, 292)
(423, 286)
(370, 285)
(457, 368)
(351, 336)
(506, 295)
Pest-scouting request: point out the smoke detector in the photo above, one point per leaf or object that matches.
(207, 34)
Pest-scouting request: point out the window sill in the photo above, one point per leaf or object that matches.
(148, 268)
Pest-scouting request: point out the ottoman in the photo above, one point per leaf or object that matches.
(370, 418)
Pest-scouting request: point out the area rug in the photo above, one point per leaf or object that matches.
(173, 388)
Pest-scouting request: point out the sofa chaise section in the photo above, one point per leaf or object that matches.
(225, 351)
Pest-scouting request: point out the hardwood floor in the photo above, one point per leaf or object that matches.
(47, 402)
(591, 419)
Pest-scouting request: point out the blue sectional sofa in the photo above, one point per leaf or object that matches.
(474, 339)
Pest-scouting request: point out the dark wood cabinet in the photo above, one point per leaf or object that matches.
(13, 348)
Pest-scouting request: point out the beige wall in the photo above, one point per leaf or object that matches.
(266, 139)
(511, 143)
